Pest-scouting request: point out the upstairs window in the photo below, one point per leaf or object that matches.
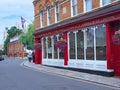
(74, 7)
(49, 15)
(42, 19)
(105, 2)
(57, 12)
(87, 5)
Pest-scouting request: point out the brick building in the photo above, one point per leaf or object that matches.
(87, 26)
(15, 48)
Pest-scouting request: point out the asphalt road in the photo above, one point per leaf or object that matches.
(13, 76)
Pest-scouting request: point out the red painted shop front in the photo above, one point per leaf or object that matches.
(109, 18)
(113, 56)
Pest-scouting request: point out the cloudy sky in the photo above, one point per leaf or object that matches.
(11, 12)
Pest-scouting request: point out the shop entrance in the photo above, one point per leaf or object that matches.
(116, 48)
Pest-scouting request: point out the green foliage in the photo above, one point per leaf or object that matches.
(1, 52)
(28, 39)
(11, 33)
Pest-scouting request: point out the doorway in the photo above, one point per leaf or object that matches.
(115, 47)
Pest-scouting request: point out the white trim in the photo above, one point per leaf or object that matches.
(55, 62)
(72, 8)
(88, 64)
(58, 48)
(94, 29)
(55, 15)
(55, 12)
(75, 45)
(85, 9)
(85, 43)
(42, 17)
(47, 47)
(48, 21)
(52, 46)
(68, 45)
(84, 4)
(42, 49)
(101, 3)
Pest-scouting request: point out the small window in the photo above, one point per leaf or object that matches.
(87, 5)
(49, 15)
(57, 12)
(105, 2)
(74, 7)
(41, 18)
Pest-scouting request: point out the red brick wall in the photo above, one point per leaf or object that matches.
(95, 3)
(80, 6)
(65, 9)
(45, 19)
(52, 15)
(37, 22)
(15, 49)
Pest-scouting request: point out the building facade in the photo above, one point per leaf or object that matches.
(86, 26)
(15, 48)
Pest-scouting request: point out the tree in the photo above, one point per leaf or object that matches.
(11, 33)
(1, 52)
(27, 39)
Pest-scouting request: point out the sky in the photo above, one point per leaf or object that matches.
(11, 12)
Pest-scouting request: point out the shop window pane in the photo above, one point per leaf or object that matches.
(100, 43)
(49, 47)
(55, 49)
(80, 45)
(90, 44)
(72, 45)
(44, 48)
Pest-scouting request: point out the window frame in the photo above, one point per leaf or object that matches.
(85, 7)
(74, 5)
(48, 15)
(57, 11)
(102, 4)
(42, 18)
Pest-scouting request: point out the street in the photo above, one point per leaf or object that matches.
(13, 76)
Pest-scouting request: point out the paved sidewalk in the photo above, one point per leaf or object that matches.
(109, 81)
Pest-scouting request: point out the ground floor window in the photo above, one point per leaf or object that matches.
(100, 43)
(88, 43)
(84, 44)
(72, 45)
(80, 44)
(49, 50)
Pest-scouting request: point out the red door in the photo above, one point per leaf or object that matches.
(116, 59)
(115, 48)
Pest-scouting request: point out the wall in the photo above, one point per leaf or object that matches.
(65, 9)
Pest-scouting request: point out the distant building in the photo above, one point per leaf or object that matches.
(15, 48)
(87, 26)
